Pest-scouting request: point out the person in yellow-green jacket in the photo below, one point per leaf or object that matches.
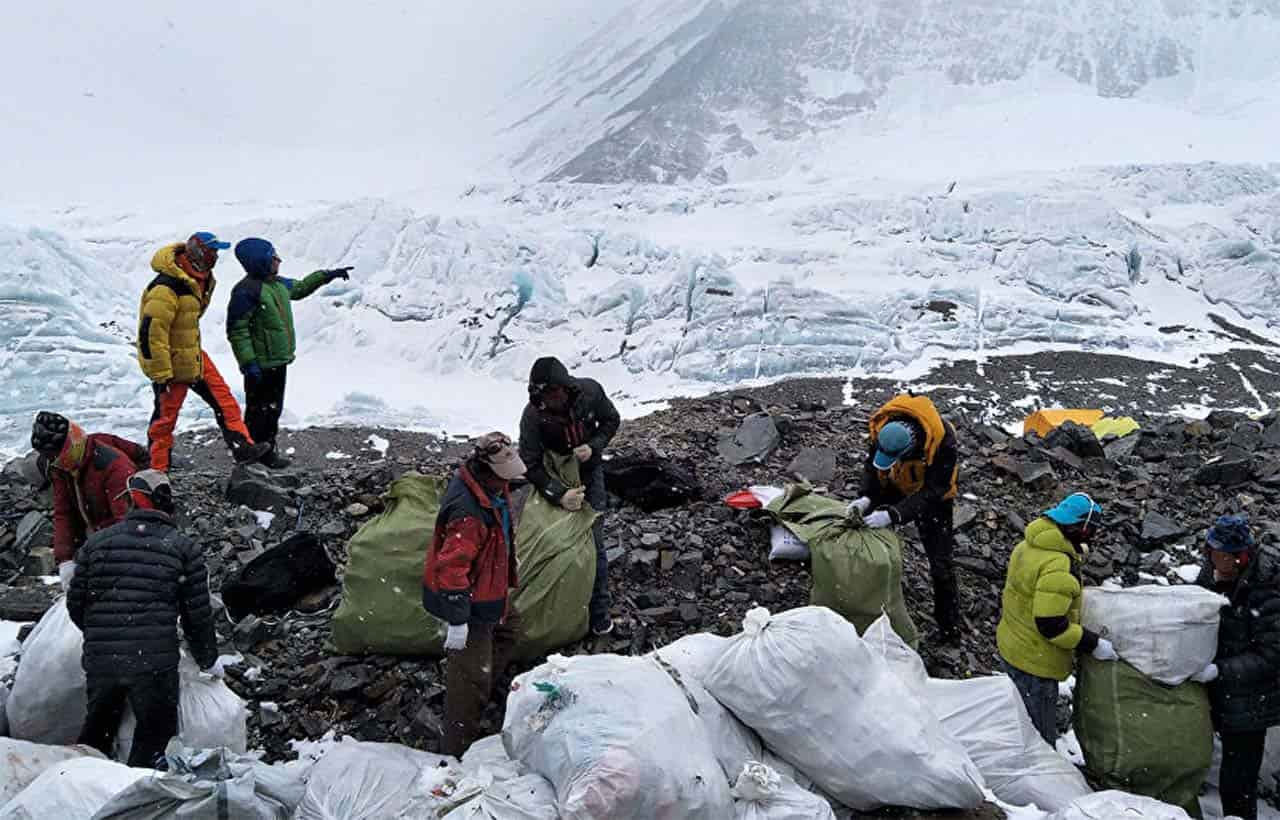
(1040, 632)
(260, 329)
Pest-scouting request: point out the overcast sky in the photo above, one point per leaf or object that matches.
(293, 95)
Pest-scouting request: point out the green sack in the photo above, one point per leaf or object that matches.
(1141, 736)
(857, 571)
(381, 610)
(556, 564)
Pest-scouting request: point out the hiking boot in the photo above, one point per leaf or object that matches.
(273, 460)
(249, 453)
(602, 627)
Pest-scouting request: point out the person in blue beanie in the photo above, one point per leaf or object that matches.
(1244, 678)
(260, 329)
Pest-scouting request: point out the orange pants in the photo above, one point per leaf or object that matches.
(168, 403)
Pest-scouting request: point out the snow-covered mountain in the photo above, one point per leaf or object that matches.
(735, 89)
(660, 289)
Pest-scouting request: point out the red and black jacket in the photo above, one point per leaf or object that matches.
(95, 497)
(470, 566)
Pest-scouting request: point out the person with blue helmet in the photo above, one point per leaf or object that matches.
(1039, 632)
(910, 475)
(1244, 679)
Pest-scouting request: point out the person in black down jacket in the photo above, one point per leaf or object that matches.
(134, 581)
(1244, 679)
(567, 415)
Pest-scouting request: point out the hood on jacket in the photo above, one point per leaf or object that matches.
(166, 261)
(1044, 534)
(549, 372)
(255, 257)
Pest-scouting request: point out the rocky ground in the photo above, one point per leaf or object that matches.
(701, 566)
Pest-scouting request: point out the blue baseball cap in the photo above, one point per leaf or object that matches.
(1076, 508)
(210, 240)
(895, 440)
(1230, 533)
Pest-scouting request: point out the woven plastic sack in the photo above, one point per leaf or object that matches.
(1141, 736)
(72, 790)
(47, 702)
(381, 610)
(1115, 805)
(618, 738)
(761, 793)
(529, 797)
(1167, 633)
(821, 698)
(207, 785)
(21, 762)
(691, 657)
(365, 781)
(556, 556)
(785, 545)
(857, 571)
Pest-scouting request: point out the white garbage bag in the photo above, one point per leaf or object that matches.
(1112, 805)
(4, 718)
(1167, 633)
(72, 790)
(530, 797)
(618, 737)
(22, 762)
(207, 785)
(47, 703)
(989, 719)
(821, 698)
(734, 743)
(1270, 775)
(987, 716)
(210, 715)
(761, 793)
(785, 545)
(365, 781)
(487, 757)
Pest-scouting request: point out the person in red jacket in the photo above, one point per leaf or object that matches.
(90, 478)
(470, 567)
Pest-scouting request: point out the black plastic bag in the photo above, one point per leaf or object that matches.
(275, 581)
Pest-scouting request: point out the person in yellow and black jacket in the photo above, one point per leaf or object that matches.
(910, 475)
(170, 352)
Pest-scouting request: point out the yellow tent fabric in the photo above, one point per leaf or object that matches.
(1118, 427)
(1042, 422)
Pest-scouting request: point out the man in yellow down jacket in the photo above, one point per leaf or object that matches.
(170, 352)
(1040, 631)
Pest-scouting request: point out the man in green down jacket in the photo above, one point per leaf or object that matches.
(1040, 631)
(260, 329)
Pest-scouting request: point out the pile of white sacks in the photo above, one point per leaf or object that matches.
(795, 718)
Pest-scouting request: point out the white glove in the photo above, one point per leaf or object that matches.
(861, 505)
(1104, 651)
(583, 452)
(455, 639)
(878, 520)
(1207, 675)
(66, 571)
(573, 500)
(219, 668)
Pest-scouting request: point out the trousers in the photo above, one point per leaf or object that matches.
(1040, 696)
(154, 700)
(169, 399)
(263, 404)
(598, 498)
(1242, 754)
(469, 676)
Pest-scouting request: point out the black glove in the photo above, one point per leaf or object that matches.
(338, 273)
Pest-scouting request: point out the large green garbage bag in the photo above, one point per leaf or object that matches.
(556, 562)
(381, 611)
(1141, 736)
(857, 571)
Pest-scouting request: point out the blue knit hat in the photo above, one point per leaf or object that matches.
(1230, 533)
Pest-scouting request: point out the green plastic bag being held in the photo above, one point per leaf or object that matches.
(556, 563)
(1141, 736)
(857, 571)
(381, 610)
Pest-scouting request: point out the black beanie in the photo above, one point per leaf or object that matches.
(49, 433)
